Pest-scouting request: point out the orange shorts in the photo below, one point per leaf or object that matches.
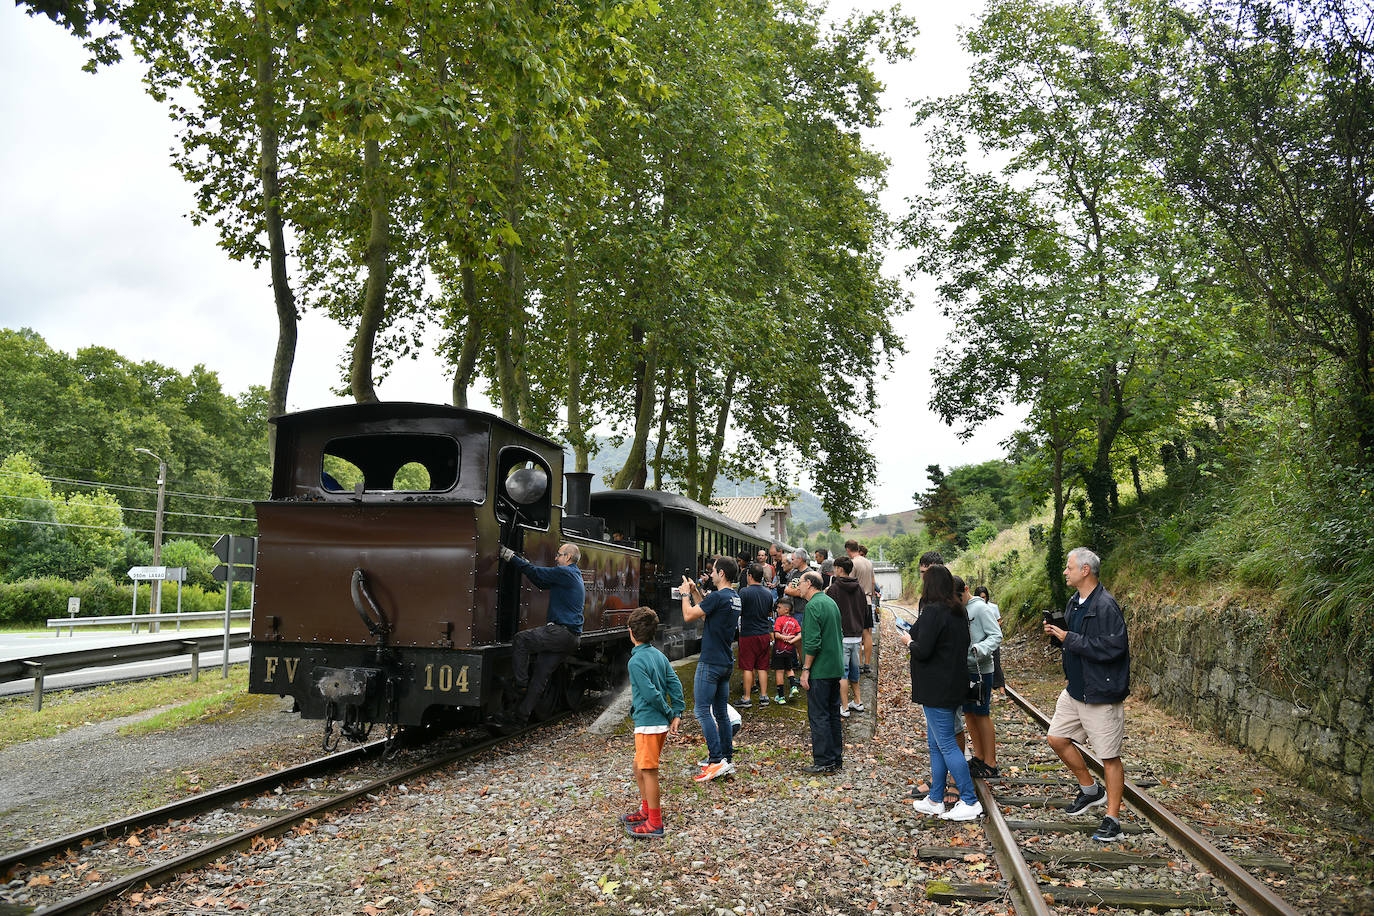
(647, 749)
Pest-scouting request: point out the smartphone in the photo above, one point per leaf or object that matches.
(677, 594)
(1048, 616)
(902, 623)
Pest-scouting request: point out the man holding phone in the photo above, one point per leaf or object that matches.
(1091, 710)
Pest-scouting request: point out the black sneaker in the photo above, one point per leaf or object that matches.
(816, 769)
(1109, 832)
(1086, 800)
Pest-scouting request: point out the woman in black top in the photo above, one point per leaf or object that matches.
(939, 643)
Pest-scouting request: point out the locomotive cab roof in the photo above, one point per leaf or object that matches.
(400, 450)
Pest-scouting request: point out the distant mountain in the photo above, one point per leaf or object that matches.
(609, 459)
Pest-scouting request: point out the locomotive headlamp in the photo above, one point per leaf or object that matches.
(527, 485)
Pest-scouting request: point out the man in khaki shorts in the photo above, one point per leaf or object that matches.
(1097, 664)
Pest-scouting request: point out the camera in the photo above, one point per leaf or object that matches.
(676, 594)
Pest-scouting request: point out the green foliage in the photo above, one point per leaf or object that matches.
(972, 503)
(32, 601)
(55, 517)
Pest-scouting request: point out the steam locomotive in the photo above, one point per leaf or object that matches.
(380, 595)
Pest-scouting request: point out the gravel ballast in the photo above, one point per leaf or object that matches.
(532, 827)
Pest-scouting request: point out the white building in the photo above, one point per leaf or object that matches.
(756, 512)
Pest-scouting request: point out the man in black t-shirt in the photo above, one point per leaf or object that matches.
(755, 634)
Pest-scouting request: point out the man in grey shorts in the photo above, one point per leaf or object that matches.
(1091, 711)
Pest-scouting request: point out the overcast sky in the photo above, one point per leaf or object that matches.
(95, 246)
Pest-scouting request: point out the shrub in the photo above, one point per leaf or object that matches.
(32, 601)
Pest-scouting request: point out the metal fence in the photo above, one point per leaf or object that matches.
(138, 620)
(39, 666)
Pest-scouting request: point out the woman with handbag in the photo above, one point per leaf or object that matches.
(939, 642)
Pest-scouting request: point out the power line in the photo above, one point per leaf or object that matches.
(31, 521)
(63, 502)
(116, 486)
(74, 467)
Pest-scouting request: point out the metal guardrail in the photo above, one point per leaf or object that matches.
(39, 666)
(136, 620)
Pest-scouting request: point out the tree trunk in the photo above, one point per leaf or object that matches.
(1054, 554)
(577, 432)
(635, 472)
(1135, 479)
(374, 293)
(515, 404)
(268, 140)
(472, 339)
(708, 481)
(662, 428)
(693, 455)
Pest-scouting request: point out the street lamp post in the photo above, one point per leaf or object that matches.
(157, 529)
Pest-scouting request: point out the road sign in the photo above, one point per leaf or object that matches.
(241, 573)
(73, 608)
(236, 550)
(148, 573)
(176, 573)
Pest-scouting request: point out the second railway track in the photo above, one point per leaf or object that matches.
(82, 871)
(1048, 863)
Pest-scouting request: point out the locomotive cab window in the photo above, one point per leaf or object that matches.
(390, 463)
(523, 487)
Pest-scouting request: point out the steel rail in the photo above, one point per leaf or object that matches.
(1026, 896)
(94, 899)
(188, 807)
(1245, 888)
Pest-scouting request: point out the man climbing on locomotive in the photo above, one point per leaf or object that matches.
(550, 644)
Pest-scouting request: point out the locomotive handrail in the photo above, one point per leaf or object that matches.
(364, 602)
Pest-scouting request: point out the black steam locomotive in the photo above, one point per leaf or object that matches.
(381, 597)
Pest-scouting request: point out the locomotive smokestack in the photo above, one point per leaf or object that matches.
(577, 493)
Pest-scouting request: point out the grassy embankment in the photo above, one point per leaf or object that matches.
(1292, 544)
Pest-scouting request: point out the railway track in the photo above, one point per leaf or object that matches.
(83, 871)
(1049, 863)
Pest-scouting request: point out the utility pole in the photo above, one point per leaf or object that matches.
(157, 527)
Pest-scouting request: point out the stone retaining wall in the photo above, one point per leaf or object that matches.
(1218, 668)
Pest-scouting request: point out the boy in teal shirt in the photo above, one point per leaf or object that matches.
(656, 707)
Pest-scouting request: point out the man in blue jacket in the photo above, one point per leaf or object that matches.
(556, 640)
(1091, 710)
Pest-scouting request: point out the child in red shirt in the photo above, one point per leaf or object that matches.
(786, 636)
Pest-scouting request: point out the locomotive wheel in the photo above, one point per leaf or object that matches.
(573, 693)
(552, 699)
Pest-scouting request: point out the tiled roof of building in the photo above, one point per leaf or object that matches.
(747, 510)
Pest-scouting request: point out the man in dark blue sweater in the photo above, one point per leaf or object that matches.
(1097, 665)
(556, 640)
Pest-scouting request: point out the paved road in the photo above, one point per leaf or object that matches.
(27, 645)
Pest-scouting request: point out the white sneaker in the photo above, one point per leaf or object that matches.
(963, 812)
(856, 706)
(926, 806)
(844, 712)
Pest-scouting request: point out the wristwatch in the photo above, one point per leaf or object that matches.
(806, 669)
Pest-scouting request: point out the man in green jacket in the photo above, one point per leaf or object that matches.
(823, 646)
